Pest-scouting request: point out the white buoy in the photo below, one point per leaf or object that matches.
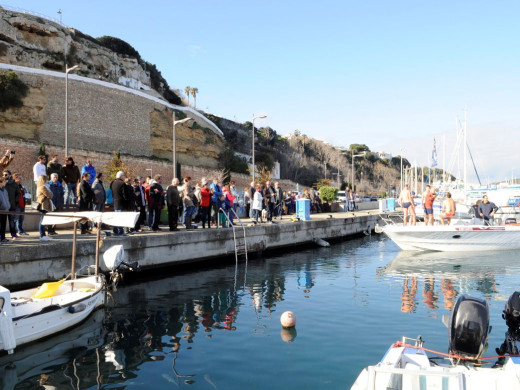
(288, 319)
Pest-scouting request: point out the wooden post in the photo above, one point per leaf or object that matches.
(73, 266)
(98, 241)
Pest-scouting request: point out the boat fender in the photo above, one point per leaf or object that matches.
(77, 308)
(321, 242)
(7, 333)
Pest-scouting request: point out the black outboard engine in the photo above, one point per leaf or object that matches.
(511, 314)
(469, 327)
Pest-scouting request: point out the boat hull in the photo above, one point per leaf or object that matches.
(454, 238)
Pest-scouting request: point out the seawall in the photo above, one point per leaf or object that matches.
(30, 262)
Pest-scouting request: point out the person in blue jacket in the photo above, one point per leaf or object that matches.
(89, 168)
(217, 191)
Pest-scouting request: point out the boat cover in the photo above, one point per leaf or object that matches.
(123, 219)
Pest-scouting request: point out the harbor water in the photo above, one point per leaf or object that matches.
(219, 327)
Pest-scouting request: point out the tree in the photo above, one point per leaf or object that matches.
(115, 165)
(358, 148)
(194, 92)
(12, 90)
(187, 91)
(322, 183)
(264, 175)
(42, 152)
(229, 162)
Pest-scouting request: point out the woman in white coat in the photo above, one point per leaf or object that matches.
(257, 202)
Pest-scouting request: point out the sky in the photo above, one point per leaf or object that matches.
(393, 75)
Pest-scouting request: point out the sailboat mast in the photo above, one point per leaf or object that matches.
(465, 152)
(444, 159)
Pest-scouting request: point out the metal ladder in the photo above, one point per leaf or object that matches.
(240, 242)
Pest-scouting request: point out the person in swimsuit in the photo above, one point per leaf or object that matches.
(448, 209)
(428, 198)
(407, 204)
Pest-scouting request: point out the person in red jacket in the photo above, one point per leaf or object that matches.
(205, 204)
(229, 202)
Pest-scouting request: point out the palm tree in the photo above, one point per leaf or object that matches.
(187, 92)
(194, 92)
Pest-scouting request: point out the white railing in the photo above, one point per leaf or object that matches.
(24, 11)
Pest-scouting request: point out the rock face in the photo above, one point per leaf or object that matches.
(42, 44)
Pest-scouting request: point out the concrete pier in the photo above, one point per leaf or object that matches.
(28, 261)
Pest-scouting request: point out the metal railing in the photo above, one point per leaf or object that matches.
(37, 14)
(240, 247)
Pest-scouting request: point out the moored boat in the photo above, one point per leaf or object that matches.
(32, 314)
(413, 367)
(454, 238)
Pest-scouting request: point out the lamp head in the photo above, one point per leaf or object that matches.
(182, 121)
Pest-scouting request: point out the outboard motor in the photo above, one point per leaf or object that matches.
(469, 327)
(114, 262)
(511, 315)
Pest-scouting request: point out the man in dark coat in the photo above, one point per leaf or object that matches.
(119, 195)
(156, 201)
(173, 200)
(13, 190)
(71, 177)
(140, 202)
(54, 166)
(269, 199)
(86, 200)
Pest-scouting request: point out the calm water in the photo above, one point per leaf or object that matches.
(220, 328)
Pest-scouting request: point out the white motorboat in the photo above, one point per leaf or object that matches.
(454, 238)
(411, 366)
(36, 313)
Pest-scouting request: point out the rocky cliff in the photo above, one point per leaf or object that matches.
(42, 44)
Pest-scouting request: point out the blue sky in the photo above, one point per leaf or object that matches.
(390, 74)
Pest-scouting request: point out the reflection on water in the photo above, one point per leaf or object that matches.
(219, 328)
(445, 275)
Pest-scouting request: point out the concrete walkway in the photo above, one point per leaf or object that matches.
(65, 235)
(29, 261)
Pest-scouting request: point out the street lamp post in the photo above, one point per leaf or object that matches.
(174, 140)
(354, 156)
(253, 142)
(67, 70)
(325, 164)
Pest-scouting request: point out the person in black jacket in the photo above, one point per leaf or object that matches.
(156, 201)
(86, 200)
(13, 190)
(173, 200)
(119, 196)
(140, 202)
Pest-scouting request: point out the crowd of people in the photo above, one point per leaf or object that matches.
(67, 187)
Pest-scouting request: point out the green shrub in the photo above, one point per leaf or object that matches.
(328, 194)
(119, 46)
(12, 90)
